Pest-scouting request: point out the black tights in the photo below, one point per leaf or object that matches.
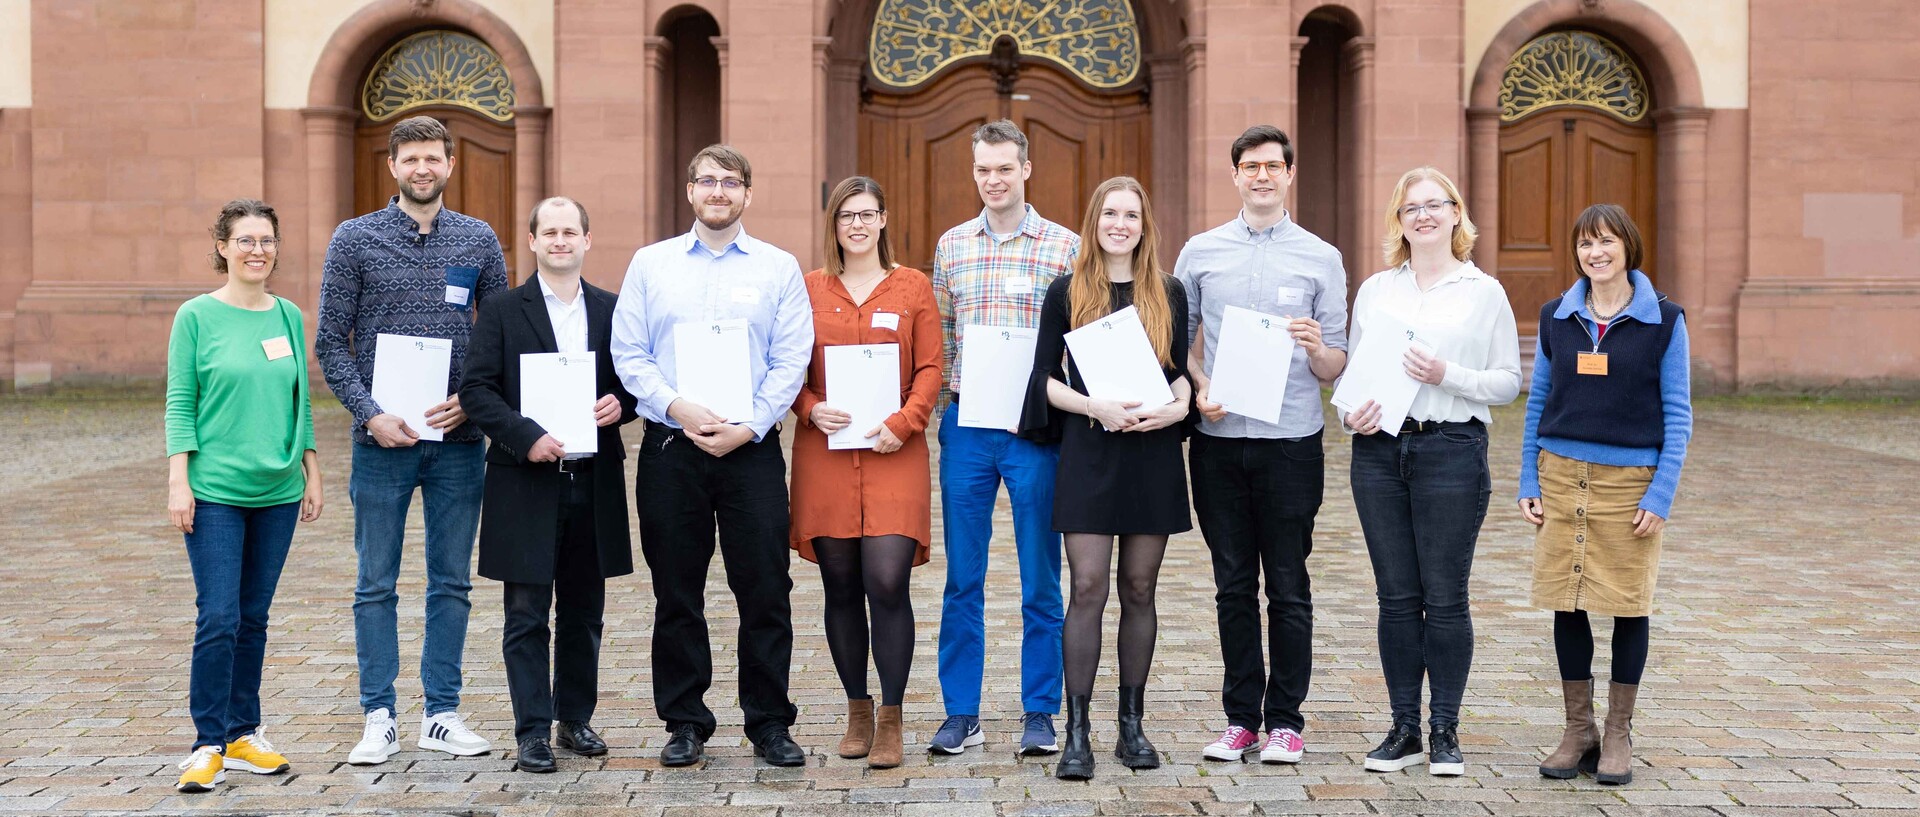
(869, 573)
(1573, 642)
(1089, 559)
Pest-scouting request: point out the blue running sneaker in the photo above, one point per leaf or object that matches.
(1038, 737)
(956, 734)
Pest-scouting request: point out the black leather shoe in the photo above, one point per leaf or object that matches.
(684, 748)
(535, 756)
(580, 739)
(1076, 757)
(779, 749)
(1401, 749)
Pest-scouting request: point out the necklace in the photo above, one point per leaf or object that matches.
(854, 289)
(1594, 309)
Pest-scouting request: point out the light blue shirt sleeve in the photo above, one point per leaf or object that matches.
(632, 346)
(789, 349)
(1530, 439)
(1676, 406)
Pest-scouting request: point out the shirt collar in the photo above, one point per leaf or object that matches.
(1643, 307)
(1029, 223)
(1245, 230)
(547, 292)
(399, 217)
(1466, 271)
(746, 244)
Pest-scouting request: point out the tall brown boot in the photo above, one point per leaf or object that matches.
(859, 737)
(1616, 748)
(886, 739)
(1580, 746)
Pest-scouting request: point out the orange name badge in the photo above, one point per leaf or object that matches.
(277, 347)
(1593, 363)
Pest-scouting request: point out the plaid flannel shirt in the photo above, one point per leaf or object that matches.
(981, 279)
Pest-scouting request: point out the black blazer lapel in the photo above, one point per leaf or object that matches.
(599, 317)
(533, 303)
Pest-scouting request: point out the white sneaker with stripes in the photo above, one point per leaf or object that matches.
(378, 742)
(448, 732)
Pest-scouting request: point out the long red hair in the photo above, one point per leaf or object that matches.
(1089, 297)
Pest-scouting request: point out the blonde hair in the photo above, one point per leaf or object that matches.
(1395, 245)
(1089, 294)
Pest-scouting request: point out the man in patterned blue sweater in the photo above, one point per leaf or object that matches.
(412, 268)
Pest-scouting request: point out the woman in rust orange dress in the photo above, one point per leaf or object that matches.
(865, 516)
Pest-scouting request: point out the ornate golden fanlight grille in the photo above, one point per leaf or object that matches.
(1095, 40)
(1573, 68)
(438, 68)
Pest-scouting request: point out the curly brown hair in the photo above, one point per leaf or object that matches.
(233, 211)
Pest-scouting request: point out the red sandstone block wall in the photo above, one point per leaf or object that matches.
(1834, 197)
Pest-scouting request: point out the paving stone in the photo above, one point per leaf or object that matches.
(1782, 680)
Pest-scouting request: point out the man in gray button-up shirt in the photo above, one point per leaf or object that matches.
(1257, 485)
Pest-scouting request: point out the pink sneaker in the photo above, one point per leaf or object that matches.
(1232, 744)
(1283, 746)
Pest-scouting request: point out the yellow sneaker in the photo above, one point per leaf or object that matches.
(204, 770)
(253, 753)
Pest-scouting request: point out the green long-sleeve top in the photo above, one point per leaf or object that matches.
(246, 419)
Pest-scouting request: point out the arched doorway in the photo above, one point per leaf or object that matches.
(1575, 130)
(1069, 73)
(689, 105)
(1329, 187)
(455, 78)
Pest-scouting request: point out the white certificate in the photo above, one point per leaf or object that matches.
(556, 391)
(863, 381)
(994, 364)
(1251, 366)
(1116, 361)
(410, 376)
(711, 367)
(1377, 371)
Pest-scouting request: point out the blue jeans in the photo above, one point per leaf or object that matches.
(1421, 498)
(449, 478)
(973, 461)
(236, 554)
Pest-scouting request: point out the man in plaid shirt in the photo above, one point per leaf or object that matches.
(993, 270)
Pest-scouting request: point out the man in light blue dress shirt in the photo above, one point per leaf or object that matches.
(699, 468)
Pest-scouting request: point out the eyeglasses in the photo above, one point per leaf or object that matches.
(249, 244)
(846, 217)
(709, 182)
(1435, 207)
(1251, 169)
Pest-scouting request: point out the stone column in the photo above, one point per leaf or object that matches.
(1483, 184)
(330, 132)
(529, 177)
(1683, 202)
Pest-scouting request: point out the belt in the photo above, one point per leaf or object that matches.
(576, 465)
(1424, 426)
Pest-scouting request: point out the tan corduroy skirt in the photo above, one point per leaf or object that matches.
(1586, 557)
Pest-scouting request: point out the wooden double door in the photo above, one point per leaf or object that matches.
(482, 182)
(919, 147)
(1554, 164)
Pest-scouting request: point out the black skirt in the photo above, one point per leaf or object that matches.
(1118, 482)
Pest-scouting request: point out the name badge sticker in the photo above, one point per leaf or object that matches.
(1594, 363)
(886, 320)
(277, 348)
(1291, 296)
(1019, 285)
(746, 295)
(460, 283)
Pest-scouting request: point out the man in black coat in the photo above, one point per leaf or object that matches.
(552, 523)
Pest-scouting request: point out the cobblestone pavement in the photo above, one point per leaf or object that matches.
(1784, 679)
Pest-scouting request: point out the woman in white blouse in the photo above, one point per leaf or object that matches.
(1422, 493)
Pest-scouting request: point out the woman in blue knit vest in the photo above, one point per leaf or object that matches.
(1608, 422)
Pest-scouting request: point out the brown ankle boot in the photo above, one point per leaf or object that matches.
(1580, 746)
(859, 737)
(886, 739)
(1616, 748)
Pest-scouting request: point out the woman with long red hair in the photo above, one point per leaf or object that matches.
(1121, 475)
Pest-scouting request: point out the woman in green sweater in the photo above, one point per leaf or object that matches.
(240, 470)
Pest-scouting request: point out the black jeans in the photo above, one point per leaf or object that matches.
(574, 688)
(1256, 500)
(680, 494)
(1421, 499)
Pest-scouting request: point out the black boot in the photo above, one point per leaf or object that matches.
(1132, 748)
(1076, 758)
